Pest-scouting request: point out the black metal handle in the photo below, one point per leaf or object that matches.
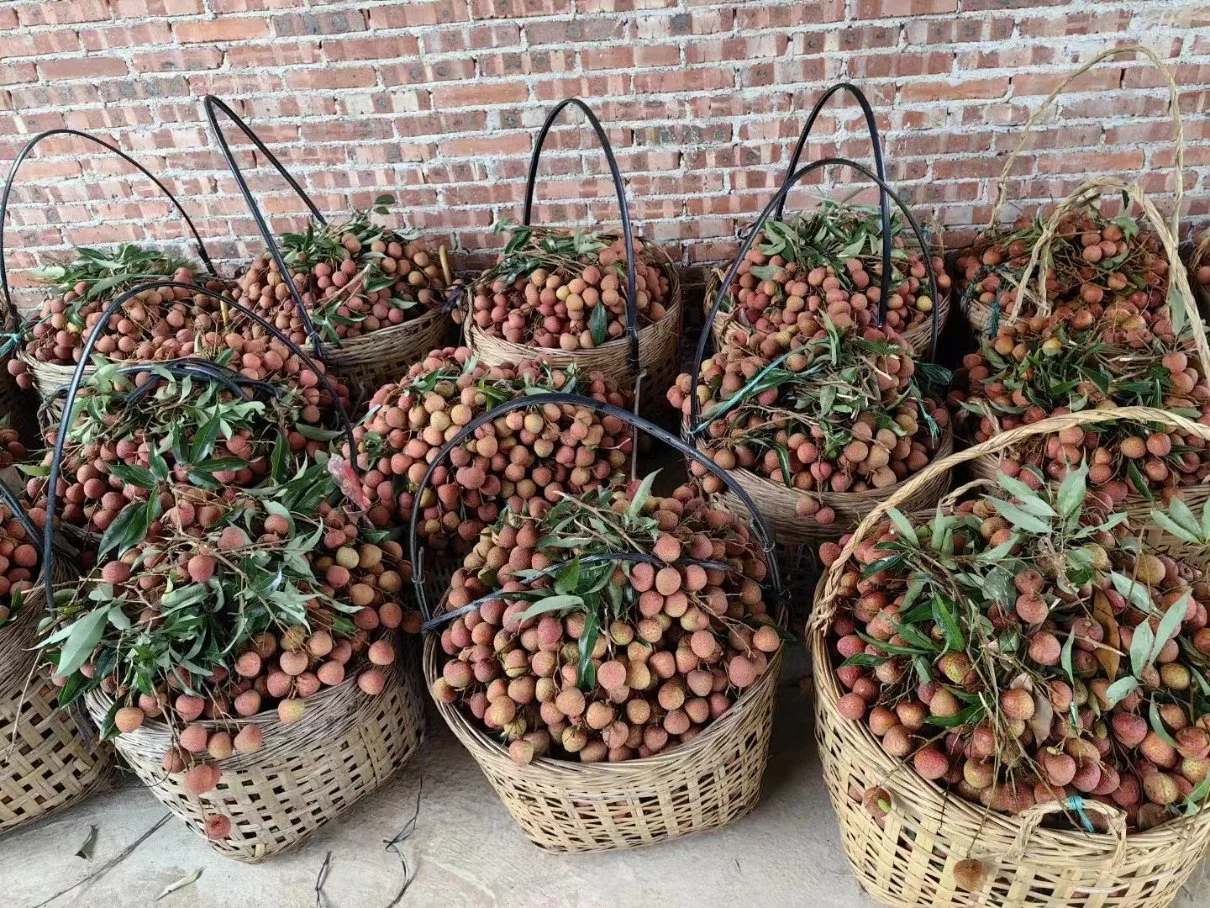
(694, 406)
(73, 388)
(884, 201)
(760, 528)
(212, 106)
(27, 149)
(632, 318)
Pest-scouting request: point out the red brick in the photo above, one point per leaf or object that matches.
(183, 59)
(703, 79)
(141, 9)
(330, 78)
(421, 72)
(410, 15)
(62, 13)
(479, 94)
(90, 67)
(275, 53)
(137, 35)
(371, 48)
(512, 9)
(8, 18)
(894, 9)
(292, 25)
(575, 31)
(39, 43)
(970, 89)
(1105, 78)
(218, 30)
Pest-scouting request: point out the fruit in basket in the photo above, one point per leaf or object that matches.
(1069, 361)
(516, 459)
(830, 262)
(567, 291)
(1095, 263)
(355, 277)
(155, 324)
(19, 557)
(11, 448)
(575, 653)
(822, 409)
(199, 423)
(946, 631)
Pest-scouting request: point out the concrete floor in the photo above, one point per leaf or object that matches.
(465, 851)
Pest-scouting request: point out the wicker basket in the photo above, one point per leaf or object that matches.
(572, 807)
(909, 861)
(345, 746)
(45, 761)
(983, 317)
(369, 361)
(659, 353)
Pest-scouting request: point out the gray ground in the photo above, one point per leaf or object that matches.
(465, 851)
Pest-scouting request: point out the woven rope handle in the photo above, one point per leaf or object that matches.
(1032, 817)
(1178, 137)
(825, 606)
(10, 313)
(1178, 277)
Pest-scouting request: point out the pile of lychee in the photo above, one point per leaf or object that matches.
(11, 448)
(354, 278)
(1065, 668)
(663, 646)
(155, 324)
(19, 558)
(1094, 262)
(568, 292)
(536, 454)
(775, 290)
(833, 410)
(1068, 361)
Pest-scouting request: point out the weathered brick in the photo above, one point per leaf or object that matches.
(90, 67)
(224, 29)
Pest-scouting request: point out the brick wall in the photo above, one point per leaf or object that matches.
(438, 102)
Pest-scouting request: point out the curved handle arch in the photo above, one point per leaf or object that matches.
(884, 201)
(77, 379)
(694, 406)
(213, 105)
(632, 317)
(27, 149)
(760, 528)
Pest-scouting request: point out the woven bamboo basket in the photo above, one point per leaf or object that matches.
(45, 762)
(983, 317)
(344, 747)
(571, 807)
(367, 362)
(909, 861)
(659, 353)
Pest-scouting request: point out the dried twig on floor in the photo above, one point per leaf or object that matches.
(321, 878)
(403, 835)
(110, 864)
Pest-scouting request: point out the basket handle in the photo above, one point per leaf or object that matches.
(760, 526)
(531, 180)
(213, 106)
(1178, 138)
(699, 358)
(1178, 278)
(825, 605)
(884, 201)
(1033, 816)
(9, 310)
(77, 379)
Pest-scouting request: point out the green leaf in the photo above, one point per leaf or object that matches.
(903, 525)
(945, 619)
(1180, 512)
(127, 529)
(549, 604)
(1140, 648)
(83, 639)
(1170, 624)
(1072, 490)
(1133, 591)
(131, 475)
(1020, 519)
(314, 433)
(159, 466)
(641, 496)
(1157, 725)
(1170, 526)
(1120, 689)
(587, 676)
(783, 458)
(598, 324)
(568, 577)
(1065, 656)
(1030, 500)
(1001, 551)
(1137, 480)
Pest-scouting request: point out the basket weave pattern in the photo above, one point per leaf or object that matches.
(367, 362)
(345, 746)
(570, 807)
(45, 763)
(909, 860)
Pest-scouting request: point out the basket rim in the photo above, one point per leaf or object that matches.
(1008, 825)
(350, 344)
(475, 739)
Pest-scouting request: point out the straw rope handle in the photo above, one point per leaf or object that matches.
(10, 312)
(1032, 817)
(77, 379)
(213, 106)
(760, 525)
(1178, 277)
(531, 180)
(825, 606)
(750, 239)
(884, 200)
(1174, 108)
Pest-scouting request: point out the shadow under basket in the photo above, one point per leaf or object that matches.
(45, 761)
(306, 774)
(571, 807)
(909, 861)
